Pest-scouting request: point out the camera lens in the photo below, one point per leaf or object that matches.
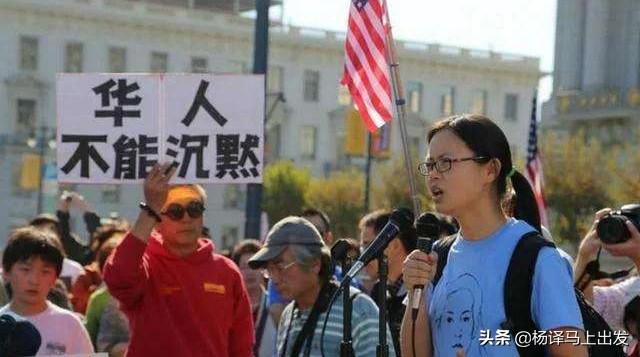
(612, 229)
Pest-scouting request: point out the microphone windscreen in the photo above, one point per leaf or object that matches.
(403, 217)
(340, 249)
(20, 338)
(26, 339)
(428, 225)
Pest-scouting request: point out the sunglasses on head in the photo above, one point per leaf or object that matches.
(176, 212)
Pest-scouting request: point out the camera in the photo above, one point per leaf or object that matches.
(612, 229)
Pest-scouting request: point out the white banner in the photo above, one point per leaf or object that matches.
(112, 128)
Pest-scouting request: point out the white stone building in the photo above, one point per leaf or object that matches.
(596, 80)
(40, 38)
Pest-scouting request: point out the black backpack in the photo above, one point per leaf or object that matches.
(518, 286)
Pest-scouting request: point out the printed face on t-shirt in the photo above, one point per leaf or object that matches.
(31, 280)
(458, 318)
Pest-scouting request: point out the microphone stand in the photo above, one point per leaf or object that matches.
(382, 350)
(346, 346)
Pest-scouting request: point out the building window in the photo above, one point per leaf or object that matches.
(25, 117)
(272, 144)
(28, 53)
(159, 62)
(479, 102)
(447, 101)
(73, 57)
(308, 138)
(229, 237)
(111, 194)
(311, 86)
(199, 65)
(275, 79)
(117, 59)
(414, 95)
(232, 197)
(344, 97)
(511, 107)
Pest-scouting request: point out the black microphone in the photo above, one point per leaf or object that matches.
(344, 252)
(428, 230)
(399, 221)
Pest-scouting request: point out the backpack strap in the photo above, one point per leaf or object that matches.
(442, 247)
(306, 333)
(518, 287)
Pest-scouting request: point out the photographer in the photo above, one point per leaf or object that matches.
(608, 298)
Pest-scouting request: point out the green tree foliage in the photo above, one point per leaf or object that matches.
(626, 188)
(341, 197)
(577, 176)
(391, 188)
(285, 187)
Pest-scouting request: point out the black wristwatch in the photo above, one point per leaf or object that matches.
(145, 207)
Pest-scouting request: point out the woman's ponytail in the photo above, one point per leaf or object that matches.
(525, 206)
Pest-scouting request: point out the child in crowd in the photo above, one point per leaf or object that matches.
(32, 263)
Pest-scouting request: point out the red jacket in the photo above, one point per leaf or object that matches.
(192, 306)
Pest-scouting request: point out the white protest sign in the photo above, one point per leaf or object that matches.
(112, 128)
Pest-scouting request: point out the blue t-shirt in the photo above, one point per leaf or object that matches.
(469, 296)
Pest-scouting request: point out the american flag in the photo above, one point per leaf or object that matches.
(534, 165)
(366, 70)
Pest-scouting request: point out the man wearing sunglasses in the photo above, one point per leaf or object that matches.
(181, 298)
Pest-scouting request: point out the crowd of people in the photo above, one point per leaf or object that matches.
(158, 287)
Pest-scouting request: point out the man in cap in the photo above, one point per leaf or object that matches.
(180, 297)
(299, 264)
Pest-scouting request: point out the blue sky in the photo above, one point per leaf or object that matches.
(525, 27)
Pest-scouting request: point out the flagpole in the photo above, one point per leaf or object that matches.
(367, 178)
(398, 93)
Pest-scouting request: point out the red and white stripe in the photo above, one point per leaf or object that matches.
(535, 177)
(366, 70)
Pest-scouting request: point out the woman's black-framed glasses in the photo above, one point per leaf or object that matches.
(176, 212)
(444, 164)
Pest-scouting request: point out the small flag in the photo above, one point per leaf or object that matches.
(534, 164)
(366, 70)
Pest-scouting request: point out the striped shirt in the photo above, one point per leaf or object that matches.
(364, 327)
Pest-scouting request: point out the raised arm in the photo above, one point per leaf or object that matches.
(126, 272)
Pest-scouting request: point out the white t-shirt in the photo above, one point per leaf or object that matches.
(610, 301)
(61, 331)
